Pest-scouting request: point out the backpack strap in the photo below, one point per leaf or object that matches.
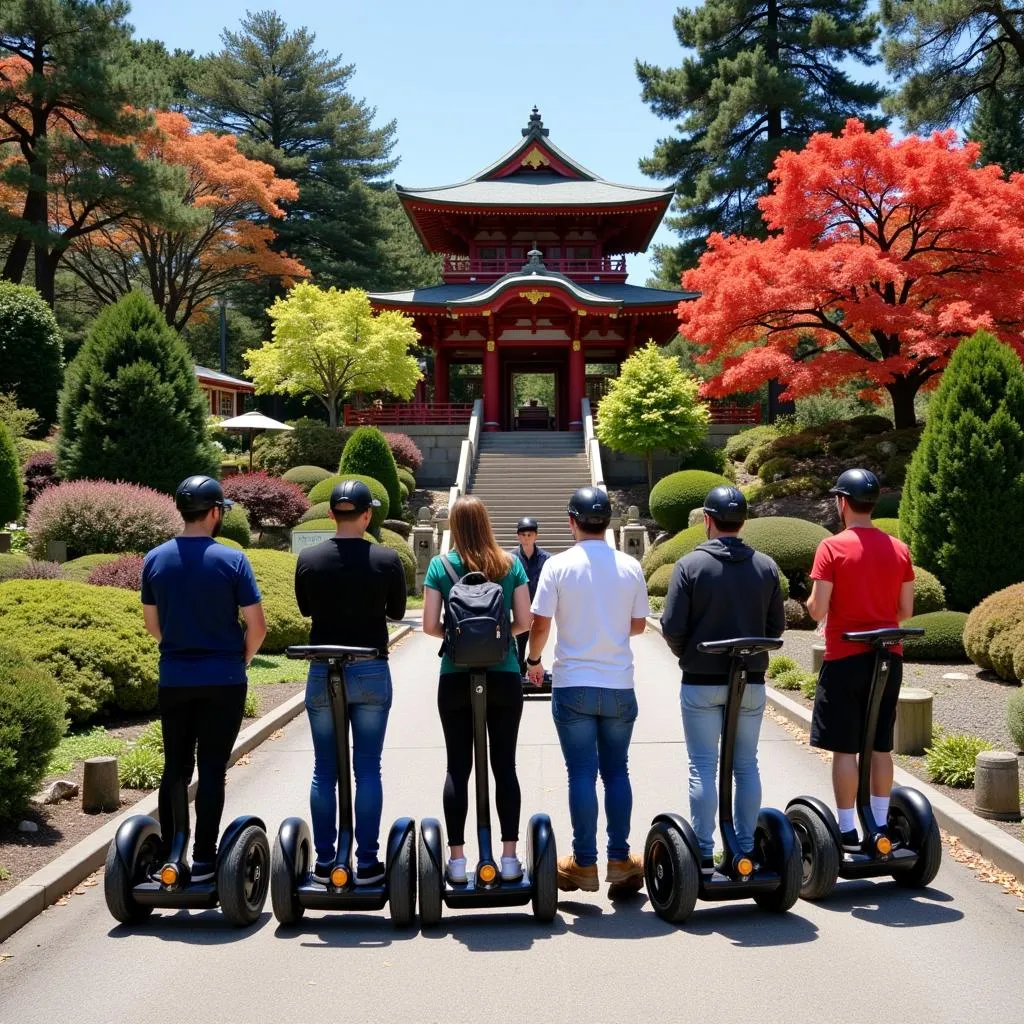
(450, 569)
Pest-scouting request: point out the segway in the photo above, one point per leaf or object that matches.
(292, 889)
(770, 874)
(485, 886)
(138, 877)
(908, 846)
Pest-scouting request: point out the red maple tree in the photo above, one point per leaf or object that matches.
(884, 254)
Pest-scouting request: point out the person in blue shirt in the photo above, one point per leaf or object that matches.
(192, 591)
(533, 558)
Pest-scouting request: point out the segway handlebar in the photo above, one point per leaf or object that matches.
(740, 646)
(883, 637)
(328, 652)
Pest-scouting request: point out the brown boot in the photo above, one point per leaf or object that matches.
(625, 876)
(573, 876)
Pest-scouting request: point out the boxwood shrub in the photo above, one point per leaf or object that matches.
(275, 574)
(671, 550)
(322, 492)
(657, 583)
(929, 595)
(406, 478)
(92, 639)
(367, 453)
(661, 574)
(791, 542)
(943, 638)
(306, 477)
(1015, 719)
(676, 495)
(321, 510)
(998, 613)
(398, 543)
(32, 712)
(236, 526)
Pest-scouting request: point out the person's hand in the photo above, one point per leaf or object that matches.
(535, 673)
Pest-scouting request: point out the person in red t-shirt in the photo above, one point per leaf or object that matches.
(863, 580)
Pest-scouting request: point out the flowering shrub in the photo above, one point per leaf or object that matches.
(124, 572)
(21, 567)
(269, 500)
(94, 516)
(405, 450)
(39, 472)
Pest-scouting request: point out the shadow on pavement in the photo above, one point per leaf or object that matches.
(492, 933)
(889, 904)
(346, 931)
(624, 920)
(207, 928)
(747, 925)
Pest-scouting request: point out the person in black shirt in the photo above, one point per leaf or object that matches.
(533, 559)
(350, 587)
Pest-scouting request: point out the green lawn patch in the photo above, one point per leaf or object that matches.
(77, 746)
(268, 669)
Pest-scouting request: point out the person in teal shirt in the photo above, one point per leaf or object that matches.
(476, 550)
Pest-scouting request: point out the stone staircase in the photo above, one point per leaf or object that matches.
(530, 473)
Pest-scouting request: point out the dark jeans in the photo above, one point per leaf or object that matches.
(521, 641)
(504, 711)
(200, 723)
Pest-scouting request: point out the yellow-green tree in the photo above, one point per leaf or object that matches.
(331, 344)
(654, 403)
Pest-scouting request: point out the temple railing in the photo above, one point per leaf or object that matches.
(397, 414)
(468, 452)
(729, 412)
(458, 265)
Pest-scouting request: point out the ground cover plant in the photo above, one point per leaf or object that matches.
(950, 759)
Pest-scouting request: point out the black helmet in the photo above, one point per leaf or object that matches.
(859, 484)
(726, 505)
(526, 523)
(590, 507)
(200, 493)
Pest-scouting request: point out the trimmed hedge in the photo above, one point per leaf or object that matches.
(397, 543)
(790, 542)
(321, 510)
(32, 712)
(676, 495)
(275, 574)
(322, 492)
(406, 478)
(657, 584)
(999, 613)
(670, 551)
(943, 638)
(889, 526)
(929, 595)
(236, 526)
(367, 453)
(91, 638)
(306, 477)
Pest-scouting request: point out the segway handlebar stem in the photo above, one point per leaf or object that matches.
(740, 646)
(887, 637)
(330, 652)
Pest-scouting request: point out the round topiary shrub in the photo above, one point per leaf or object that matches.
(306, 477)
(322, 492)
(404, 492)
(31, 356)
(275, 574)
(405, 450)
(998, 612)
(1015, 719)
(315, 526)
(399, 526)
(790, 542)
(929, 595)
(310, 442)
(124, 572)
(367, 454)
(39, 472)
(10, 479)
(32, 713)
(943, 638)
(675, 495)
(740, 445)
(92, 639)
(1002, 649)
(887, 506)
(406, 479)
(405, 555)
(671, 550)
(321, 510)
(96, 517)
(235, 526)
(889, 526)
(269, 500)
(78, 569)
(657, 584)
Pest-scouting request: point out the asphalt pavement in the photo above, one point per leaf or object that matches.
(872, 951)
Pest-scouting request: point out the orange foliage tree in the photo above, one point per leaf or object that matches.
(185, 261)
(883, 256)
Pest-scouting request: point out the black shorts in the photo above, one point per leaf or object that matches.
(841, 701)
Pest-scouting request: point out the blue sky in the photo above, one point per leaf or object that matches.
(460, 77)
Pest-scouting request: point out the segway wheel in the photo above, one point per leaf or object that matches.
(243, 877)
(671, 872)
(928, 844)
(431, 879)
(402, 885)
(544, 876)
(818, 853)
(285, 876)
(118, 881)
(775, 846)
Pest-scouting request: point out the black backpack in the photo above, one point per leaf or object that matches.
(476, 624)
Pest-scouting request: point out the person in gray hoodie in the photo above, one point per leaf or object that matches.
(722, 589)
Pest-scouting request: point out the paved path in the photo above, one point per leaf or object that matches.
(951, 953)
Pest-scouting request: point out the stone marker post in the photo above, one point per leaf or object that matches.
(5, 542)
(817, 657)
(56, 551)
(997, 785)
(633, 535)
(101, 790)
(424, 546)
(913, 721)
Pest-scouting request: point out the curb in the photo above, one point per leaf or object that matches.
(974, 832)
(30, 898)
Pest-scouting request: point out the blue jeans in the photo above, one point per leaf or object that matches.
(703, 721)
(594, 726)
(368, 687)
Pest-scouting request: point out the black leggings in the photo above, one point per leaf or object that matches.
(504, 711)
(207, 718)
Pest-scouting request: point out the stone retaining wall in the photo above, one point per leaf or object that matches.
(622, 470)
(440, 447)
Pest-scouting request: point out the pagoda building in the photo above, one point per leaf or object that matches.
(534, 250)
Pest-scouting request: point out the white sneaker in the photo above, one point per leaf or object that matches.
(456, 870)
(511, 869)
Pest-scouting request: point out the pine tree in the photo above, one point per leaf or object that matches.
(998, 123)
(967, 475)
(763, 76)
(131, 408)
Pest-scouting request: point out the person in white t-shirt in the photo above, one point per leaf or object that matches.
(598, 600)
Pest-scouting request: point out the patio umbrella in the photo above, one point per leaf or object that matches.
(252, 421)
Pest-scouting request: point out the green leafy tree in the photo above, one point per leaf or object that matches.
(10, 479)
(971, 455)
(290, 102)
(67, 123)
(31, 359)
(367, 453)
(760, 76)
(131, 408)
(330, 344)
(652, 404)
(949, 54)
